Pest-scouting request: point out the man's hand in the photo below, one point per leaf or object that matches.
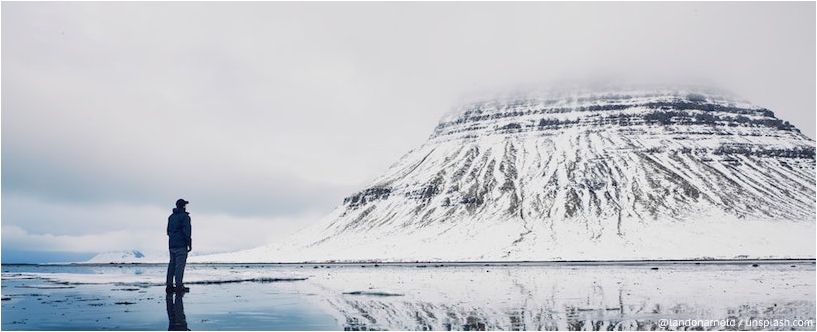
(189, 248)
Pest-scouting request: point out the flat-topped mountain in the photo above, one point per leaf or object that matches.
(582, 175)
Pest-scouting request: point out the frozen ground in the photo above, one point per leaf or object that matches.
(409, 296)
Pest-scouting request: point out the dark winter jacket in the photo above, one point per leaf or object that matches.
(178, 229)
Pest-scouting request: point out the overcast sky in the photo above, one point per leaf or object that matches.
(265, 115)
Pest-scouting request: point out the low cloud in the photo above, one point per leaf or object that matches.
(34, 225)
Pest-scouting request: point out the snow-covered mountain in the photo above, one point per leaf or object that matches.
(124, 256)
(660, 173)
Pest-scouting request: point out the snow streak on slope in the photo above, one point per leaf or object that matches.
(646, 174)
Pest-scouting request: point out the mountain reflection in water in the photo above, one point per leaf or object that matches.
(636, 297)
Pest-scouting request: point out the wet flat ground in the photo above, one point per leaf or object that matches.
(777, 295)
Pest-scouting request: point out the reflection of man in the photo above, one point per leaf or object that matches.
(180, 243)
(175, 313)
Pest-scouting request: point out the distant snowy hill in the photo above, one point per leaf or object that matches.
(660, 173)
(125, 256)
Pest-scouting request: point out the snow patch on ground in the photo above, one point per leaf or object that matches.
(123, 256)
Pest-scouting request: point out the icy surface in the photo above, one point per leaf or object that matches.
(195, 276)
(412, 296)
(581, 175)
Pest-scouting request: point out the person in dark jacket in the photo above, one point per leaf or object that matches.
(180, 243)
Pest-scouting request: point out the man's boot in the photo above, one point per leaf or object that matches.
(170, 289)
(182, 289)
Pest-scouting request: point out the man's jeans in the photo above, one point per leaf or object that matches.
(178, 258)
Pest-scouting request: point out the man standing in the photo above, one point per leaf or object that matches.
(180, 243)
